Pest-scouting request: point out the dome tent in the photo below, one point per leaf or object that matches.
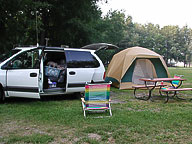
(131, 64)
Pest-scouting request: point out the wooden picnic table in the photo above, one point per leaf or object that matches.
(155, 80)
(174, 88)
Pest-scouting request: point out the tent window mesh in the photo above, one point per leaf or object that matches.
(143, 69)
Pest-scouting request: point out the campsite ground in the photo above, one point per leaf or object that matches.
(60, 120)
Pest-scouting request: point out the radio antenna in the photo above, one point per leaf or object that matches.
(36, 29)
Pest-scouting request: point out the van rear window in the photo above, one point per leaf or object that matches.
(80, 59)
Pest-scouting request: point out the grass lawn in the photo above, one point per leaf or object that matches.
(60, 119)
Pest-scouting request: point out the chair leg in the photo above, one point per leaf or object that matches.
(110, 112)
(110, 109)
(84, 113)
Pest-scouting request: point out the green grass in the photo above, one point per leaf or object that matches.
(60, 120)
(187, 72)
(34, 138)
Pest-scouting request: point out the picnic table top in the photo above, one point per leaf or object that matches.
(161, 79)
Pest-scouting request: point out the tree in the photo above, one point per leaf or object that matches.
(170, 35)
(130, 37)
(18, 23)
(113, 27)
(64, 22)
(185, 44)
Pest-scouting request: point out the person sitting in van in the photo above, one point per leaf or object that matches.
(52, 64)
(62, 66)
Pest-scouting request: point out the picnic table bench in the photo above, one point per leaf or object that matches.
(175, 92)
(150, 88)
(147, 87)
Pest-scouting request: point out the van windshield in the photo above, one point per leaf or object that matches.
(7, 55)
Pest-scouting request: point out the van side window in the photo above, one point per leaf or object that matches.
(25, 60)
(80, 59)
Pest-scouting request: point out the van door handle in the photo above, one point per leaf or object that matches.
(33, 74)
(72, 73)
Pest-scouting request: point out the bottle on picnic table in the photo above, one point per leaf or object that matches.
(161, 82)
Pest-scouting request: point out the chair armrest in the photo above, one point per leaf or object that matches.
(83, 100)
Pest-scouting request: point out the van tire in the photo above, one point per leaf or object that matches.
(78, 95)
(2, 96)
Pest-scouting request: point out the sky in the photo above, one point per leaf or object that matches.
(162, 12)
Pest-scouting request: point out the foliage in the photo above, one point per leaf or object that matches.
(172, 42)
(78, 23)
(64, 22)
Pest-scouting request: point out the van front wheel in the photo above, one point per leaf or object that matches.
(2, 96)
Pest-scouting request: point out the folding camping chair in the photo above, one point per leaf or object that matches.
(176, 83)
(97, 98)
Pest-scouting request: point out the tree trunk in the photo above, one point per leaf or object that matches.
(42, 39)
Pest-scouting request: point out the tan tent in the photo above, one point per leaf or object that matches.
(127, 66)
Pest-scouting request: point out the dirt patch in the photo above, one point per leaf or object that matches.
(94, 136)
(111, 140)
(17, 127)
(116, 101)
(115, 98)
(140, 110)
(23, 128)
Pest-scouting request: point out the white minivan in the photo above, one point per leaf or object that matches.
(32, 72)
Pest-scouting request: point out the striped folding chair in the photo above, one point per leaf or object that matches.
(176, 83)
(97, 97)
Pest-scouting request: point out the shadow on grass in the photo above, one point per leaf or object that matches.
(74, 96)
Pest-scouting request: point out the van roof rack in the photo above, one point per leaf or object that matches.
(23, 46)
(98, 46)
